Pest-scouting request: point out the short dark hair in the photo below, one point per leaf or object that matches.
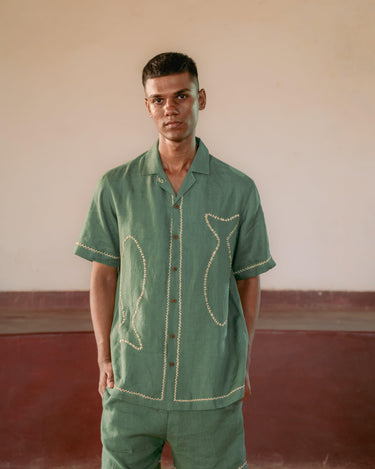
(169, 63)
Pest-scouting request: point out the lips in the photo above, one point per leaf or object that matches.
(172, 124)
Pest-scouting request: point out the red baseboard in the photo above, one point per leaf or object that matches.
(316, 300)
(44, 300)
(312, 401)
(272, 301)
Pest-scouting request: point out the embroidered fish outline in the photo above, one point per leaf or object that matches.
(224, 220)
(123, 311)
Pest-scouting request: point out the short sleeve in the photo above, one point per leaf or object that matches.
(252, 255)
(99, 240)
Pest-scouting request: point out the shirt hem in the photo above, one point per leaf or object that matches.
(180, 405)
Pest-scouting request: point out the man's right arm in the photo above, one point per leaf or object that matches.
(102, 301)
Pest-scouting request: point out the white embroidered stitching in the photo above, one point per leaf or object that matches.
(180, 309)
(243, 465)
(180, 312)
(95, 250)
(138, 394)
(140, 346)
(179, 304)
(123, 340)
(166, 331)
(214, 254)
(210, 398)
(253, 266)
(167, 313)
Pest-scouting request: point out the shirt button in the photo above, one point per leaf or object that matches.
(176, 206)
(171, 364)
(174, 300)
(175, 268)
(175, 236)
(172, 336)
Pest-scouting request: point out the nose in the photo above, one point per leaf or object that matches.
(170, 108)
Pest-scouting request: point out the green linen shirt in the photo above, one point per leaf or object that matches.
(179, 338)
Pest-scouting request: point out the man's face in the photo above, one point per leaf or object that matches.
(174, 102)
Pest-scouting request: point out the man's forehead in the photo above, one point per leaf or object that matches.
(170, 84)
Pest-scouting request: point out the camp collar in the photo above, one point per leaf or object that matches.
(201, 163)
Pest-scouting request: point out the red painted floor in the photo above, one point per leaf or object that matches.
(313, 400)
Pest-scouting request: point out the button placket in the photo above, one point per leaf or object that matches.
(174, 291)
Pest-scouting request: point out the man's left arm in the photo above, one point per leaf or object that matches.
(249, 290)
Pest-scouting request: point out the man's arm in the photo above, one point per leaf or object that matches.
(249, 290)
(102, 300)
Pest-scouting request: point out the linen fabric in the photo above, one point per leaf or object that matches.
(133, 436)
(179, 338)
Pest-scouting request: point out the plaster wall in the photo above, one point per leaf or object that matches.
(291, 102)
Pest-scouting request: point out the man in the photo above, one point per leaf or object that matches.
(178, 240)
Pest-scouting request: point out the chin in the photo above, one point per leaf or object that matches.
(175, 137)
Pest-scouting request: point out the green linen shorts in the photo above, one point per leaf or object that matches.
(133, 436)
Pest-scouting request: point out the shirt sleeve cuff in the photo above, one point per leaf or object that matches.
(91, 254)
(255, 269)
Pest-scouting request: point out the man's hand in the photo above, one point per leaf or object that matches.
(249, 290)
(102, 300)
(106, 379)
(247, 383)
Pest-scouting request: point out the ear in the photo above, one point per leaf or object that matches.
(148, 107)
(202, 99)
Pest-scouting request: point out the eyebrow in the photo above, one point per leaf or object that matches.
(184, 90)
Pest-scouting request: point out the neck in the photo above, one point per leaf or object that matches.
(177, 157)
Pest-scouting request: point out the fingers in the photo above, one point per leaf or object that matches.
(106, 378)
(248, 381)
(110, 378)
(247, 393)
(102, 384)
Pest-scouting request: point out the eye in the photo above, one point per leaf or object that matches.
(182, 96)
(157, 100)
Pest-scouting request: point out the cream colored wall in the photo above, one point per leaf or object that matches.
(291, 102)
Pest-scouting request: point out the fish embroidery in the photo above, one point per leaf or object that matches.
(138, 262)
(222, 261)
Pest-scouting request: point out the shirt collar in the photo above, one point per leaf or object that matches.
(201, 162)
